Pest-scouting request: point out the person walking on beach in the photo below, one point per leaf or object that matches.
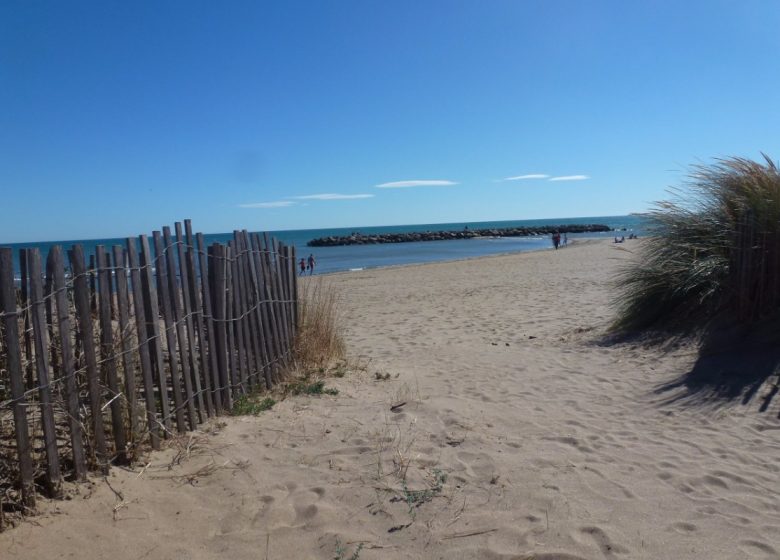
(565, 239)
(312, 262)
(302, 264)
(556, 239)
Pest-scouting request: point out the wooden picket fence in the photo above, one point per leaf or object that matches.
(125, 348)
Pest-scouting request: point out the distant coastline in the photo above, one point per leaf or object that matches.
(343, 258)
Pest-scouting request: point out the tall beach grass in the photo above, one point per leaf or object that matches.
(713, 255)
(319, 341)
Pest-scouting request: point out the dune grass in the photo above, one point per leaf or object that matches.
(319, 341)
(318, 352)
(713, 254)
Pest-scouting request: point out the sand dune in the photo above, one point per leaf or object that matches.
(521, 437)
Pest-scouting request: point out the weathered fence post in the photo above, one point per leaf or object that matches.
(81, 298)
(230, 322)
(41, 340)
(9, 315)
(294, 279)
(174, 306)
(185, 312)
(276, 297)
(68, 372)
(142, 334)
(170, 333)
(24, 294)
(252, 329)
(123, 308)
(108, 353)
(218, 262)
(262, 327)
(284, 252)
(200, 323)
(152, 313)
(278, 271)
(92, 285)
(206, 275)
(269, 312)
(237, 332)
(48, 294)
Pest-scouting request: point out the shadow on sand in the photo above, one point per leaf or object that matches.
(729, 368)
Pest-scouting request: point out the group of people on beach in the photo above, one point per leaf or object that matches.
(304, 266)
(563, 241)
(623, 238)
(559, 241)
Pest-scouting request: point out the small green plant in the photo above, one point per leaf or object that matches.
(416, 498)
(315, 388)
(341, 552)
(246, 405)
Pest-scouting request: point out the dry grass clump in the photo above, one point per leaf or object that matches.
(319, 341)
(713, 255)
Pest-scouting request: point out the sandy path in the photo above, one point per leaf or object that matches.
(553, 447)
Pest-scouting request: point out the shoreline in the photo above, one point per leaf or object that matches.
(578, 242)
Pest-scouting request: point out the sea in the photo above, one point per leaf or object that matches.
(360, 257)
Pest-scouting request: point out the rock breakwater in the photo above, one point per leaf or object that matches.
(358, 238)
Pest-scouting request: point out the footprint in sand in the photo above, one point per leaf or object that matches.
(757, 549)
(298, 509)
(683, 528)
(265, 505)
(569, 441)
(479, 466)
(603, 486)
(234, 522)
(605, 544)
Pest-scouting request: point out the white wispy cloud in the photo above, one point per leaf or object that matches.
(276, 204)
(408, 184)
(570, 178)
(333, 196)
(524, 177)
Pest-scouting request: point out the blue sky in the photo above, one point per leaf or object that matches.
(116, 118)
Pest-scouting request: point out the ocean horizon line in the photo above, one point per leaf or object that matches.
(301, 230)
(342, 258)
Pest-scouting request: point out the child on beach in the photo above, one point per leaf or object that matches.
(302, 264)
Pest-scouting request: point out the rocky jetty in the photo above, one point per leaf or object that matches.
(358, 238)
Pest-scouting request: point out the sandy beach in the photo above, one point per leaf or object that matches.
(522, 435)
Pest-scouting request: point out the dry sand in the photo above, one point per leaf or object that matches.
(553, 446)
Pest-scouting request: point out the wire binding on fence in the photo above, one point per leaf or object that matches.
(229, 314)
